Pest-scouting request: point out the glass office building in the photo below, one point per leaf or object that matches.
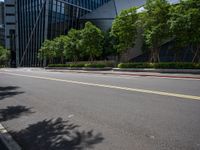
(38, 20)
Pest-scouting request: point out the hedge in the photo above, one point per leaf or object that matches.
(2, 66)
(166, 65)
(95, 65)
(75, 65)
(67, 65)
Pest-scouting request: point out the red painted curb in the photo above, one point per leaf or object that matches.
(184, 77)
(146, 75)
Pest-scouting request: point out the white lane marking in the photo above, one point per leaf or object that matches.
(91, 74)
(135, 76)
(191, 97)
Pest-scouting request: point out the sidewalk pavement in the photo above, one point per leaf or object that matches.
(126, 73)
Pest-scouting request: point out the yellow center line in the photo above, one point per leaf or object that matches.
(191, 97)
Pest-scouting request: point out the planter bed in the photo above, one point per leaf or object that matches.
(193, 71)
(76, 68)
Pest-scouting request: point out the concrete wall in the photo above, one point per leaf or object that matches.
(124, 4)
(103, 16)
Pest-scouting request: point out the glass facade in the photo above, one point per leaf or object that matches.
(46, 19)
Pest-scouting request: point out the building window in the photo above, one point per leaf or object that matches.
(10, 5)
(10, 14)
(10, 23)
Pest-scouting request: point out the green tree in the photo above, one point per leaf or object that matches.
(72, 47)
(60, 47)
(185, 25)
(108, 45)
(92, 41)
(124, 30)
(155, 27)
(4, 56)
(47, 51)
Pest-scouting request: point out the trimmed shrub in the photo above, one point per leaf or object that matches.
(95, 65)
(59, 65)
(77, 65)
(74, 65)
(165, 65)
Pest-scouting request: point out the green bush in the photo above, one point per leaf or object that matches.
(59, 65)
(135, 65)
(2, 66)
(95, 65)
(72, 65)
(166, 65)
(77, 65)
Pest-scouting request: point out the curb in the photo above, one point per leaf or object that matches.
(162, 76)
(7, 139)
(183, 71)
(193, 71)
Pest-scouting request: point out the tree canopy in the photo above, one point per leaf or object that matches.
(185, 25)
(92, 41)
(160, 22)
(124, 29)
(72, 48)
(155, 27)
(59, 47)
(47, 51)
(4, 55)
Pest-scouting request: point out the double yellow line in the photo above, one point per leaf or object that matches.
(190, 97)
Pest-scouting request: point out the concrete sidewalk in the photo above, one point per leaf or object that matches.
(130, 73)
(117, 73)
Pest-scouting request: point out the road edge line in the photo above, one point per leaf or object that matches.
(191, 97)
(132, 74)
(8, 140)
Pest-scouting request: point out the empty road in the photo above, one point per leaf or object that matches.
(79, 111)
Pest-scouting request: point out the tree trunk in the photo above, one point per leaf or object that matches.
(62, 60)
(196, 57)
(158, 54)
(155, 55)
(117, 58)
(151, 55)
(91, 58)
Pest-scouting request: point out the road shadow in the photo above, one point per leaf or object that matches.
(56, 134)
(9, 91)
(12, 112)
(8, 88)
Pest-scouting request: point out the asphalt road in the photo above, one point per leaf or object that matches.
(70, 111)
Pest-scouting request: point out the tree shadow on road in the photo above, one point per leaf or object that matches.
(56, 135)
(9, 91)
(12, 112)
(8, 88)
